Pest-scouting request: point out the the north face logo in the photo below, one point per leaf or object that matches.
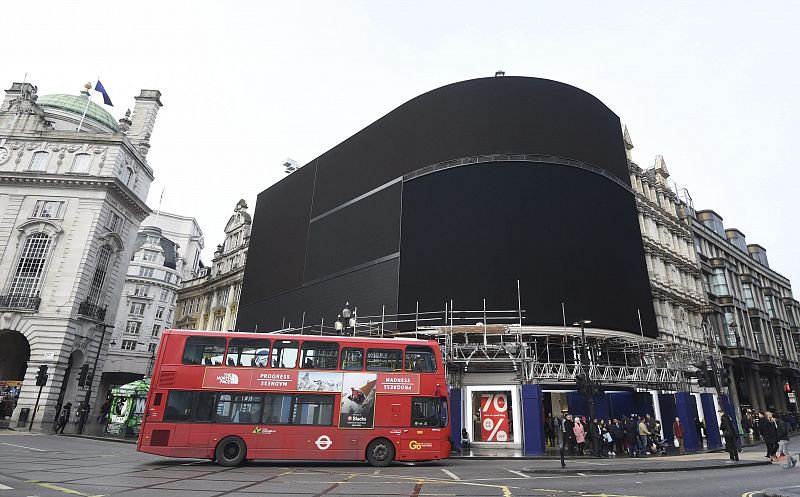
(228, 379)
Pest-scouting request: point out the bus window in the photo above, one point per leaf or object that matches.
(384, 360)
(319, 355)
(284, 354)
(179, 406)
(352, 359)
(248, 352)
(277, 408)
(312, 409)
(425, 412)
(204, 350)
(238, 408)
(443, 412)
(420, 359)
(204, 407)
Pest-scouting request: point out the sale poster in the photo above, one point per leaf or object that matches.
(494, 417)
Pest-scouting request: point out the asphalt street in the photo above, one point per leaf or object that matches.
(50, 465)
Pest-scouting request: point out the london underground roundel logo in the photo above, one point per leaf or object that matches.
(323, 442)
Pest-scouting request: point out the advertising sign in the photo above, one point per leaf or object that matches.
(398, 383)
(494, 417)
(357, 408)
(246, 379)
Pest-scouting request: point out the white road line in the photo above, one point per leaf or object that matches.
(581, 474)
(450, 474)
(23, 447)
(517, 473)
(4, 487)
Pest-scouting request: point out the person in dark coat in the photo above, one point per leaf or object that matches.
(63, 419)
(594, 437)
(632, 437)
(769, 432)
(728, 430)
(618, 436)
(569, 439)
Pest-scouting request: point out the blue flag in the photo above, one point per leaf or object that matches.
(106, 99)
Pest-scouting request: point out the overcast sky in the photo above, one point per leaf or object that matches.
(712, 86)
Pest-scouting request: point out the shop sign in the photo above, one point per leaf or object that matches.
(494, 417)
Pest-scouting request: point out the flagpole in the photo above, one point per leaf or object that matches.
(158, 212)
(88, 101)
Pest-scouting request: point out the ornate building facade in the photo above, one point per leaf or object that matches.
(73, 184)
(211, 300)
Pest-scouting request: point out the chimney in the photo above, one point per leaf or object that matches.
(143, 119)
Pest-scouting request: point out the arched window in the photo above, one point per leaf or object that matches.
(128, 176)
(81, 163)
(99, 278)
(38, 162)
(31, 265)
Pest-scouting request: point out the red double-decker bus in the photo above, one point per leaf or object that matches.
(232, 397)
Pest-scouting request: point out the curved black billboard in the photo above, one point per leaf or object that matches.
(456, 195)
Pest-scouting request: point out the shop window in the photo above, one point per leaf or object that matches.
(491, 416)
(420, 359)
(248, 352)
(384, 360)
(352, 359)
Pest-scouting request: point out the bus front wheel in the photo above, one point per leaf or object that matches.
(380, 452)
(231, 451)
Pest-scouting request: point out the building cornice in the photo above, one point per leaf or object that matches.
(113, 185)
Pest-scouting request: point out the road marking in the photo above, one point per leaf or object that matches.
(517, 473)
(24, 447)
(4, 487)
(450, 474)
(506, 492)
(581, 474)
(66, 490)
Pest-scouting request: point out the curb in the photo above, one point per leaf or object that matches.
(793, 491)
(660, 469)
(101, 439)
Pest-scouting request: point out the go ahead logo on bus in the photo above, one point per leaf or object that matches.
(414, 445)
(323, 442)
(228, 379)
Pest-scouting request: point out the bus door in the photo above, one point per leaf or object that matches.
(272, 433)
(198, 432)
(423, 439)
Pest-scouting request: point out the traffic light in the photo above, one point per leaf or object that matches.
(41, 376)
(725, 380)
(581, 382)
(703, 379)
(83, 375)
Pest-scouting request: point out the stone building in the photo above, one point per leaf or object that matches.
(73, 184)
(210, 301)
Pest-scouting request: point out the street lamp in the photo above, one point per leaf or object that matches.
(585, 384)
(346, 319)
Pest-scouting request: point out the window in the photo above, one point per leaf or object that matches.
(128, 176)
(38, 162)
(156, 330)
(146, 272)
(238, 408)
(164, 295)
(312, 409)
(719, 285)
(352, 359)
(319, 355)
(152, 240)
(150, 255)
(747, 291)
(100, 271)
(420, 359)
(426, 411)
(248, 352)
(114, 222)
(204, 407)
(770, 306)
(141, 290)
(179, 406)
(218, 319)
(160, 312)
(128, 345)
(384, 360)
(30, 266)
(47, 208)
(284, 354)
(137, 309)
(151, 347)
(277, 408)
(133, 327)
(81, 163)
(204, 350)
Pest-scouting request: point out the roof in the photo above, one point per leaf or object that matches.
(76, 104)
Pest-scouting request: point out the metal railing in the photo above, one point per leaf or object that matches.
(20, 302)
(92, 311)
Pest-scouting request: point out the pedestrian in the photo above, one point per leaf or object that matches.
(699, 426)
(595, 434)
(769, 432)
(580, 435)
(677, 430)
(729, 433)
(783, 441)
(632, 436)
(644, 434)
(618, 436)
(63, 419)
(569, 434)
(104, 410)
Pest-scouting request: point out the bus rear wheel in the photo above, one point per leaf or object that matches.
(380, 452)
(231, 451)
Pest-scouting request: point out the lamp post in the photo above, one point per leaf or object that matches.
(585, 384)
(88, 397)
(346, 319)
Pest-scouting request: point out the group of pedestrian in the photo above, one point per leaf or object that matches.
(632, 436)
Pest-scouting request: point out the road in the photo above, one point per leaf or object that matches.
(50, 465)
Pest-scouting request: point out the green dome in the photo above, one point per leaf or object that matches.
(76, 104)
